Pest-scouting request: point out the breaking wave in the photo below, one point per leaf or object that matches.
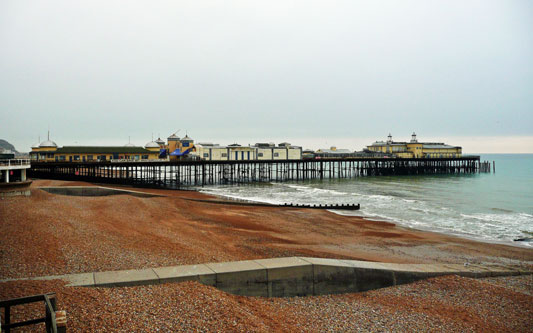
(419, 207)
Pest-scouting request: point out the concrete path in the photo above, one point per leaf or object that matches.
(286, 277)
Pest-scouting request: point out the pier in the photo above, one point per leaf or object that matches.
(185, 174)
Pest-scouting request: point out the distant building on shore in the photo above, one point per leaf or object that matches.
(415, 149)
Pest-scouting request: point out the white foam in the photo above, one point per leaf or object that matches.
(416, 213)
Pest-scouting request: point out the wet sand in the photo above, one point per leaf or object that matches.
(47, 234)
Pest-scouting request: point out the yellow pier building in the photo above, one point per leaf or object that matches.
(48, 151)
(415, 149)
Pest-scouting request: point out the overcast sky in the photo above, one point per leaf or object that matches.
(318, 73)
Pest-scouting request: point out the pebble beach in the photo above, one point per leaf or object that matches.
(47, 234)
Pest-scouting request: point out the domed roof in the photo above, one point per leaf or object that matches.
(173, 137)
(151, 144)
(159, 141)
(186, 138)
(48, 144)
(35, 145)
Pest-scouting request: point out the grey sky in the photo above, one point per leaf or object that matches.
(100, 71)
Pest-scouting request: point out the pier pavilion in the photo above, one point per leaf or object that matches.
(415, 149)
(48, 151)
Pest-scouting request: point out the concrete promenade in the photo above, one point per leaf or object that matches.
(286, 277)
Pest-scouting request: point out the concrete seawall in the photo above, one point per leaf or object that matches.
(292, 276)
(19, 188)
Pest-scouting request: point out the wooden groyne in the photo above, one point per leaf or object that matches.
(240, 202)
(184, 174)
(326, 206)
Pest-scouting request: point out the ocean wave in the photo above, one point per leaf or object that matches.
(501, 218)
(242, 197)
(496, 209)
(423, 210)
(315, 190)
(438, 213)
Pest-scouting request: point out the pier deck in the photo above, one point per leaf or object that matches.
(184, 174)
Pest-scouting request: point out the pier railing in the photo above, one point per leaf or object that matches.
(55, 321)
(14, 162)
(200, 173)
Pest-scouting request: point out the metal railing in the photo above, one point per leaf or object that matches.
(15, 162)
(54, 321)
(120, 160)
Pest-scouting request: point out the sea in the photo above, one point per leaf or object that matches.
(494, 207)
